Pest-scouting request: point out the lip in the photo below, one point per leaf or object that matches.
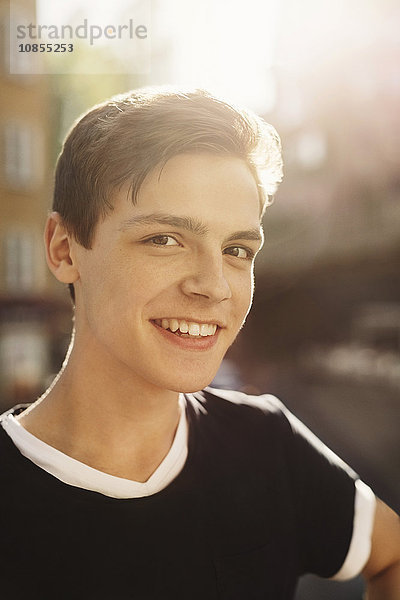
(187, 343)
(194, 320)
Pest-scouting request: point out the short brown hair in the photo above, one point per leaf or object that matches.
(126, 137)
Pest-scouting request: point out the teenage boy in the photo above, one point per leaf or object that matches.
(124, 480)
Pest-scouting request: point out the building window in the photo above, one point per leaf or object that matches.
(20, 259)
(19, 155)
(18, 63)
(24, 359)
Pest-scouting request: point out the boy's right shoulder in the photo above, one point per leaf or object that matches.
(14, 411)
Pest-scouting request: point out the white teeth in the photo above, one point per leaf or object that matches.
(204, 330)
(194, 329)
(183, 327)
(173, 325)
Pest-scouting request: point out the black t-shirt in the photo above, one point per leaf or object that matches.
(259, 502)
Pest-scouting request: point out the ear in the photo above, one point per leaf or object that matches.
(58, 244)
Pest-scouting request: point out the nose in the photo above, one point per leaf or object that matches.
(207, 279)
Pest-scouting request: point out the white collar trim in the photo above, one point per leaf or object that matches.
(75, 473)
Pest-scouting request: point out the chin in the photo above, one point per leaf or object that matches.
(190, 384)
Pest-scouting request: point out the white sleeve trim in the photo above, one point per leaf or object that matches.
(360, 545)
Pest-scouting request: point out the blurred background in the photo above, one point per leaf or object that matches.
(324, 333)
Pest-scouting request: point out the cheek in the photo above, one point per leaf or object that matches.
(244, 295)
(123, 295)
(105, 293)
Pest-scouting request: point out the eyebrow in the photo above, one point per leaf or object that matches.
(247, 234)
(189, 224)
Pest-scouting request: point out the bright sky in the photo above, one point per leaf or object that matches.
(54, 11)
(226, 46)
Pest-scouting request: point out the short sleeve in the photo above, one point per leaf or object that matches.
(323, 492)
(363, 522)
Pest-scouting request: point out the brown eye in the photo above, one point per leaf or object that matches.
(163, 240)
(239, 252)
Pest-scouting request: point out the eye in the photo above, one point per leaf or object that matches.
(163, 240)
(239, 252)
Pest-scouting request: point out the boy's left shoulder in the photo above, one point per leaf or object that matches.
(234, 400)
(232, 406)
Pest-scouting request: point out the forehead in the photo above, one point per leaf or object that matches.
(204, 184)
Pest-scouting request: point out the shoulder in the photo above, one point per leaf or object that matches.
(9, 455)
(215, 401)
(14, 411)
(260, 420)
(265, 422)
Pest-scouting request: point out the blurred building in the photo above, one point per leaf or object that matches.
(35, 113)
(338, 92)
(31, 307)
(332, 236)
(327, 302)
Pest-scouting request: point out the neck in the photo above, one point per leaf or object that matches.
(107, 419)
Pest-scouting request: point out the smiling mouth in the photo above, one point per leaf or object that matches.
(187, 329)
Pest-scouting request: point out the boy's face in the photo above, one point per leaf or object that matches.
(180, 258)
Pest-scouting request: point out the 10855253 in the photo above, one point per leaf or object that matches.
(60, 48)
